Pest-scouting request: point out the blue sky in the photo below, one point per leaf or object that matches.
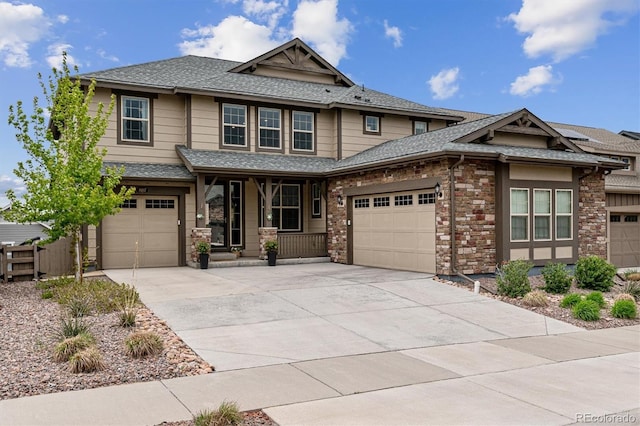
(572, 61)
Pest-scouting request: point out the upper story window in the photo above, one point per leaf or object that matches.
(420, 127)
(234, 121)
(372, 125)
(626, 160)
(303, 131)
(269, 128)
(135, 120)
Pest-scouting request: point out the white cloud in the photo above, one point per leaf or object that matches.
(63, 19)
(54, 55)
(10, 182)
(534, 81)
(317, 23)
(20, 26)
(563, 28)
(393, 33)
(235, 38)
(104, 55)
(444, 84)
(266, 11)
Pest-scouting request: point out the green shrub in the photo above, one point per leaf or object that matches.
(86, 361)
(594, 273)
(556, 278)
(71, 327)
(79, 306)
(624, 309)
(227, 414)
(570, 300)
(513, 278)
(587, 310)
(56, 282)
(143, 343)
(47, 294)
(103, 295)
(72, 345)
(597, 297)
(536, 298)
(632, 288)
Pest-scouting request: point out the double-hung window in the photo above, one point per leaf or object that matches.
(420, 127)
(564, 214)
(135, 126)
(269, 128)
(303, 131)
(286, 208)
(519, 214)
(234, 119)
(372, 125)
(542, 214)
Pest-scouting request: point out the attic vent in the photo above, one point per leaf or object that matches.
(358, 97)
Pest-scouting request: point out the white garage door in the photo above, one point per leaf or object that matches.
(395, 231)
(146, 228)
(625, 240)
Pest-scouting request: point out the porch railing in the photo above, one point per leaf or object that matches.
(302, 245)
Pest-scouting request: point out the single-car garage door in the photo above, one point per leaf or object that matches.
(146, 226)
(625, 240)
(395, 230)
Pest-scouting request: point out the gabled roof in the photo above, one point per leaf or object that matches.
(216, 77)
(297, 55)
(630, 134)
(461, 139)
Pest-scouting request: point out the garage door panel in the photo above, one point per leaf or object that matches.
(625, 240)
(396, 237)
(152, 223)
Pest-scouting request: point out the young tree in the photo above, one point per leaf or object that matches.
(64, 177)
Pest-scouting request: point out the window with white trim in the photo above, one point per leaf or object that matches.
(316, 201)
(420, 127)
(519, 214)
(541, 214)
(269, 128)
(234, 119)
(564, 214)
(303, 128)
(371, 124)
(135, 119)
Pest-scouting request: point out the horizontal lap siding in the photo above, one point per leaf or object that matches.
(355, 141)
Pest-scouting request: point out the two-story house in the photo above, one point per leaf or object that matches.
(286, 144)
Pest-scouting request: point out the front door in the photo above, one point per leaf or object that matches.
(225, 205)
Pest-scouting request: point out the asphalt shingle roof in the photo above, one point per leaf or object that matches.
(153, 171)
(211, 75)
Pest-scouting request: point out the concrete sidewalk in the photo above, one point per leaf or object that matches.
(334, 344)
(551, 380)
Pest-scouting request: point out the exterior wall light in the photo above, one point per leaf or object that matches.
(340, 200)
(437, 189)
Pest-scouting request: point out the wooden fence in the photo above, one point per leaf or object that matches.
(302, 245)
(21, 263)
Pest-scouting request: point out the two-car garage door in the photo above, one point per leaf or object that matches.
(145, 232)
(395, 230)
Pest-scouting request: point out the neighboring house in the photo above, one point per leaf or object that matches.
(12, 233)
(286, 144)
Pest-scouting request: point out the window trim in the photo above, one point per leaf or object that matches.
(364, 124)
(547, 215)
(300, 208)
(247, 145)
(570, 215)
(525, 215)
(316, 214)
(259, 146)
(292, 131)
(120, 96)
(413, 127)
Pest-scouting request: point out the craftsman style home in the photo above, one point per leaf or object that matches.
(286, 146)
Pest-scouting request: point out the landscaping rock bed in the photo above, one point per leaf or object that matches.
(489, 288)
(28, 327)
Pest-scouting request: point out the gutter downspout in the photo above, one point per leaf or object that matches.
(452, 190)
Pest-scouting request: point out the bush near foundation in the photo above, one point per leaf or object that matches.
(594, 273)
(512, 278)
(556, 278)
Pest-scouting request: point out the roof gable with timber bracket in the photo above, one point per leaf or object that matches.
(297, 57)
(522, 122)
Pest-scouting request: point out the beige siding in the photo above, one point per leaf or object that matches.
(205, 123)
(91, 243)
(519, 140)
(556, 174)
(437, 124)
(294, 75)
(251, 220)
(354, 140)
(325, 127)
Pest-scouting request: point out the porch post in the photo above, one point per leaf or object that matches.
(200, 195)
(268, 219)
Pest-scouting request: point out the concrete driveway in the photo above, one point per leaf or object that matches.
(243, 317)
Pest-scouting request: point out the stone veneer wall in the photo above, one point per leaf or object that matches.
(592, 217)
(475, 217)
(266, 234)
(197, 235)
(475, 212)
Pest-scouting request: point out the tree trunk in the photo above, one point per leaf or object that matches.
(77, 246)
